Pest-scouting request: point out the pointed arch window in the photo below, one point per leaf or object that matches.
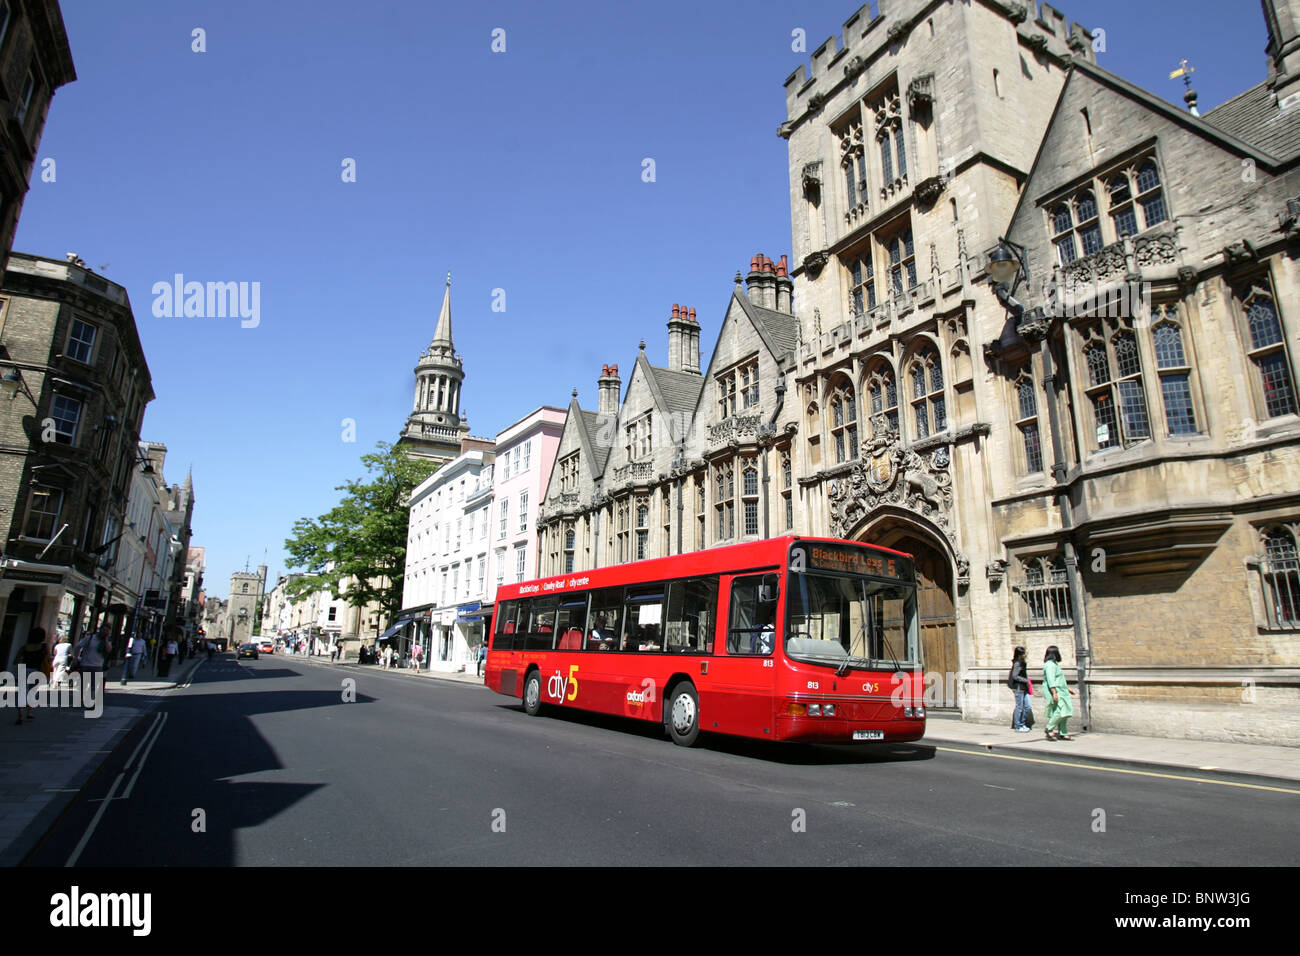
(902, 262)
(750, 496)
(1063, 230)
(787, 489)
(863, 271)
(883, 393)
(1119, 406)
(1281, 574)
(844, 422)
(929, 410)
(1268, 353)
(1175, 372)
(1045, 593)
(642, 529)
(570, 539)
(1027, 424)
(724, 479)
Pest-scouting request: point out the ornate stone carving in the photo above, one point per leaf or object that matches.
(897, 31)
(855, 66)
(817, 101)
(1077, 43)
(928, 190)
(1102, 264)
(1018, 12)
(889, 474)
(785, 129)
(1038, 43)
(996, 570)
(1239, 253)
(812, 180)
(1289, 220)
(1155, 250)
(814, 262)
(1187, 275)
(920, 92)
(735, 427)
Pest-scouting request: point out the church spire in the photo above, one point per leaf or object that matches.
(442, 334)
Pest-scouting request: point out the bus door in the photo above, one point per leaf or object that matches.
(742, 675)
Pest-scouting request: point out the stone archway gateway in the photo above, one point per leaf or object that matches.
(936, 606)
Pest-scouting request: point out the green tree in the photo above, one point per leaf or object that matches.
(363, 537)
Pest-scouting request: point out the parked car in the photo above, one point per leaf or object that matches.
(248, 650)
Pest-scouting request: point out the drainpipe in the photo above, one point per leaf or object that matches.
(771, 425)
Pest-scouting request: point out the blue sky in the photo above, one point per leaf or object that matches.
(518, 171)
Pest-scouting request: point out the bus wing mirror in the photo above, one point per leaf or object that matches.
(769, 589)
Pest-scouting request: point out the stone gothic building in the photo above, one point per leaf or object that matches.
(436, 427)
(1103, 457)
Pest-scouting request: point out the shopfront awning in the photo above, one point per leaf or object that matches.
(392, 631)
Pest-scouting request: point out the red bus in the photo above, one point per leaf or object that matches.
(790, 638)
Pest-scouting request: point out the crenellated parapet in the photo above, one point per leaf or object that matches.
(886, 26)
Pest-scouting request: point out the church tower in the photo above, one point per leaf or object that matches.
(435, 427)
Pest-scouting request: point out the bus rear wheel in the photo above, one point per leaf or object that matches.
(533, 694)
(682, 715)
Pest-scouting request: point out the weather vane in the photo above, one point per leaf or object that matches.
(1189, 97)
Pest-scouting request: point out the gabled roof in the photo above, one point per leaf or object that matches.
(588, 428)
(1253, 116)
(676, 392)
(779, 332)
(1211, 131)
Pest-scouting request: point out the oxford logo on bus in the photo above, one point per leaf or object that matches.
(559, 687)
(645, 695)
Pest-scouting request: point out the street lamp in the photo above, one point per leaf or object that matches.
(1009, 264)
(12, 382)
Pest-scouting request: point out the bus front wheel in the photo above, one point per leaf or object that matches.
(682, 716)
(533, 694)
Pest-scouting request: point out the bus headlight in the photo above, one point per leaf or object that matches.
(828, 710)
(814, 710)
(907, 710)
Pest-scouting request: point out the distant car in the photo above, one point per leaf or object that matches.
(248, 650)
(267, 647)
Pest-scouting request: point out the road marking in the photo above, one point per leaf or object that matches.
(136, 776)
(1139, 773)
(85, 837)
(156, 721)
(996, 787)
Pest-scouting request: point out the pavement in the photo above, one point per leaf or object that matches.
(45, 762)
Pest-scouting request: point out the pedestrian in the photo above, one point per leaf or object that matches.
(334, 653)
(1018, 681)
(388, 657)
(34, 655)
(62, 661)
(1057, 691)
(138, 651)
(417, 652)
(168, 655)
(482, 657)
(92, 652)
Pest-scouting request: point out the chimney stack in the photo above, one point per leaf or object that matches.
(683, 340)
(1282, 17)
(784, 288)
(762, 282)
(607, 390)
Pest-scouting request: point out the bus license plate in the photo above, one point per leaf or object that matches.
(868, 735)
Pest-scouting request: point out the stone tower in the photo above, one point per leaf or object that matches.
(435, 427)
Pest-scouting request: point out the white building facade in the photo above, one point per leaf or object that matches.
(446, 581)
(525, 453)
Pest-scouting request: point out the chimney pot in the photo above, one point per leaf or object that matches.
(753, 263)
(676, 310)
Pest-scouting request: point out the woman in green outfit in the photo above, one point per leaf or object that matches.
(1057, 691)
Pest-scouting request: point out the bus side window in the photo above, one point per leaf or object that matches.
(541, 627)
(645, 607)
(751, 628)
(688, 626)
(504, 639)
(571, 623)
(605, 625)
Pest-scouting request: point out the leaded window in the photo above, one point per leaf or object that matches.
(1119, 407)
(883, 392)
(929, 410)
(1028, 423)
(844, 422)
(1175, 374)
(724, 480)
(750, 497)
(1045, 593)
(863, 292)
(1269, 355)
(902, 262)
(1281, 572)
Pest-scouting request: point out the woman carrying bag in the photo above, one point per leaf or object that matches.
(1018, 681)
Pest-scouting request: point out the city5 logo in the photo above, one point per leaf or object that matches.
(562, 688)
